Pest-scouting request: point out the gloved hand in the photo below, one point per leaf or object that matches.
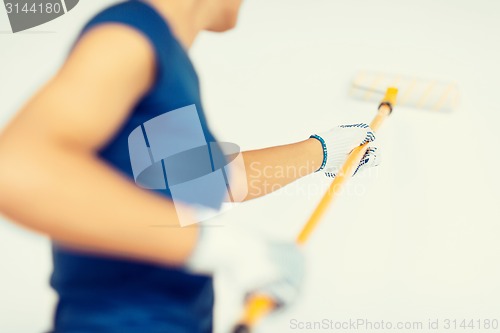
(340, 141)
(254, 264)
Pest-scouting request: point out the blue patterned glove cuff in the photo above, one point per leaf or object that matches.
(325, 151)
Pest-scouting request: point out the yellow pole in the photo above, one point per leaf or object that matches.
(258, 306)
(348, 168)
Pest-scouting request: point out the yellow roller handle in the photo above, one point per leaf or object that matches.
(258, 306)
(348, 168)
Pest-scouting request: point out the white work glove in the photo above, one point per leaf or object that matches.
(252, 263)
(340, 141)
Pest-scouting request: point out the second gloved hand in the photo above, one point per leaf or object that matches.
(254, 264)
(340, 141)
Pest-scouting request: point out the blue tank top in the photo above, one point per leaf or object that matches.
(99, 294)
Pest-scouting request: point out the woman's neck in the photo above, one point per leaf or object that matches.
(183, 18)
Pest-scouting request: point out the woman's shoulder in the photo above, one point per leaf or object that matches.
(133, 13)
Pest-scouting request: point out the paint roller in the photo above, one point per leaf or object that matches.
(420, 93)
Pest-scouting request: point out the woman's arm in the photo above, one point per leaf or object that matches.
(270, 169)
(50, 179)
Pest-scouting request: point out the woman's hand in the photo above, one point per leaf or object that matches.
(338, 143)
(252, 263)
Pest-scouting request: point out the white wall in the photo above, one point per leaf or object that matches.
(415, 239)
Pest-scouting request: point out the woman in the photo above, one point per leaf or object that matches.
(66, 172)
